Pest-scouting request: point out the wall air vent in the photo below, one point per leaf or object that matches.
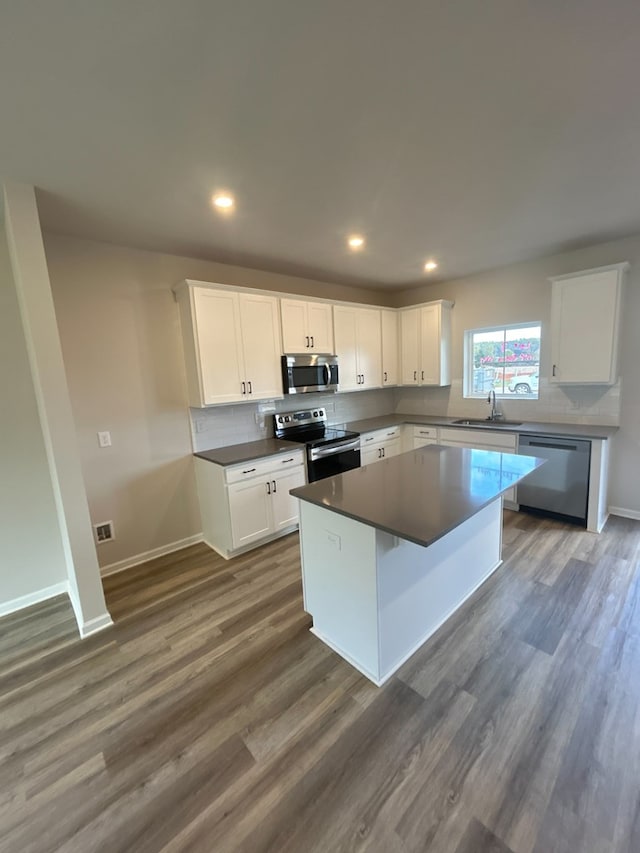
(103, 532)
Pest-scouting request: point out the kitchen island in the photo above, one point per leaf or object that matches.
(391, 550)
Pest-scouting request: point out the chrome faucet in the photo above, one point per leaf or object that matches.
(492, 399)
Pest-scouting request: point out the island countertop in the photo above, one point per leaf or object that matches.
(422, 495)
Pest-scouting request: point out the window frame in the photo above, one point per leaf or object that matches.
(467, 377)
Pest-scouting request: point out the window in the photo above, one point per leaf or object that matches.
(505, 359)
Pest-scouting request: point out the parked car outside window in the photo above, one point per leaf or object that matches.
(522, 385)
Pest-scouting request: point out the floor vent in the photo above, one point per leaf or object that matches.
(103, 532)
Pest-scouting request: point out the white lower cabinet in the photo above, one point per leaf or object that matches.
(423, 436)
(248, 504)
(380, 444)
(503, 442)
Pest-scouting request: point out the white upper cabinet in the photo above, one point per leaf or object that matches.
(425, 333)
(306, 326)
(390, 346)
(231, 344)
(358, 339)
(585, 326)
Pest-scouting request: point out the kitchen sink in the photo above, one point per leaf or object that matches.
(485, 422)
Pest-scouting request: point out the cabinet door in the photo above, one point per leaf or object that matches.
(295, 337)
(392, 448)
(369, 455)
(410, 346)
(218, 345)
(261, 346)
(346, 330)
(369, 352)
(430, 345)
(320, 327)
(390, 351)
(584, 314)
(250, 510)
(285, 507)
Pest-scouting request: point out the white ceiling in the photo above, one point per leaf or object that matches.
(479, 133)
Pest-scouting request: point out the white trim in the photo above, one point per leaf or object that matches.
(129, 562)
(625, 513)
(92, 626)
(32, 598)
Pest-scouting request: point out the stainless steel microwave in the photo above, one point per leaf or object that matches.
(303, 373)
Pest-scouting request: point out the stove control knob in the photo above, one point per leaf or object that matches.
(287, 419)
(280, 419)
(315, 414)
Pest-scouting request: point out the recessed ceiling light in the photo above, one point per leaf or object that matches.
(223, 201)
(430, 266)
(355, 241)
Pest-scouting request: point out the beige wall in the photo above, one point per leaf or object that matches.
(521, 293)
(31, 554)
(122, 348)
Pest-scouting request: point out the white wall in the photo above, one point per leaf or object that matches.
(122, 346)
(32, 564)
(522, 293)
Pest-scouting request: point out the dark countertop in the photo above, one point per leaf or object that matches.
(568, 430)
(235, 453)
(421, 495)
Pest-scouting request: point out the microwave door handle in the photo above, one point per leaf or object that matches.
(328, 369)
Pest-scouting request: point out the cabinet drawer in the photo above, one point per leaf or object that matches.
(425, 432)
(264, 466)
(504, 441)
(380, 435)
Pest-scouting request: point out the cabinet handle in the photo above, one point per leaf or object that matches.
(415, 375)
(369, 439)
(268, 488)
(383, 454)
(244, 388)
(284, 461)
(379, 453)
(423, 374)
(390, 434)
(274, 487)
(250, 388)
(306, 337)
(312, 344)
(249, 471)
(553, 372)
(385, 376)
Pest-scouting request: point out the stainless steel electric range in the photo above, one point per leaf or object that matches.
(329, 451)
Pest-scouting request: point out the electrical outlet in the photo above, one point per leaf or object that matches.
(104, 439)
(334, 540)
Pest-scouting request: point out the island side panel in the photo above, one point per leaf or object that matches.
(339, 579)
(419, 588)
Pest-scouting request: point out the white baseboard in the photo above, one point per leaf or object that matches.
(92, 626)
(23, 601)
(129, 562)
(625, 513)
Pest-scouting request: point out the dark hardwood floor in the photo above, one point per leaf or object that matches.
(209, 718)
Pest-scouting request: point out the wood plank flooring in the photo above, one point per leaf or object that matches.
(210, 719)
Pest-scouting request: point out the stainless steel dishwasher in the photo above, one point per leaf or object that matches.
(560, 487)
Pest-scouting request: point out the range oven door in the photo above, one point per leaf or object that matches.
(325, 461)
(303, 373)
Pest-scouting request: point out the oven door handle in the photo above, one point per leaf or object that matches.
(320, 452)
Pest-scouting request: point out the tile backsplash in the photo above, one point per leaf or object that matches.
(223, 425)
(580, 404)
